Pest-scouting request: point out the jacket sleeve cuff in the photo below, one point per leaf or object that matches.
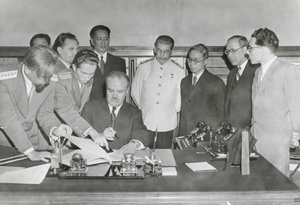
(28, 151)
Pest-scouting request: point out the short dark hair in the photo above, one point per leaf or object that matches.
(164, 39)
(118, 74)
(60, 40)
(99, 27)
(85, 56)
(201, 48)
(267, 38)
(40, 35)
(41, 59)
(242, 40)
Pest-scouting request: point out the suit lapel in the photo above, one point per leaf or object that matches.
(20, 93)
(86, 94)
(76, 91)
(122, 118)
(104, 114)
(268, 77)
(108, 64)
(201, 83)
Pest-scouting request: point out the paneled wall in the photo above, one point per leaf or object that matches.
(133, 55)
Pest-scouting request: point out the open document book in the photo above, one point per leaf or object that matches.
(90, 151)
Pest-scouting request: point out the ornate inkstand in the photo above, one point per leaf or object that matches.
(152, 166)
(128, 165)
(78, 165)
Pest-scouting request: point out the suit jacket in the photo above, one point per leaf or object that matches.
(276, 112)
(69, 102)
(60, 67)
(18, 119)
(202, 102)
(238, 104)
(129, 124)
(113, 63)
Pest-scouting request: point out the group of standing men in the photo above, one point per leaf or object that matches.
(90, 89)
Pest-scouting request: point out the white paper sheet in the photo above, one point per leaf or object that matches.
(32, 175)
(169, 171)
(201, 167)
(88, 146)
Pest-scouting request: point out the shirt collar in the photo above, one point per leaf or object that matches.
(266, 66)
(242, 67)
(99, 56)
(198, 76)
(28, 83)
(68, 65)
(117, 109)
(165, 65)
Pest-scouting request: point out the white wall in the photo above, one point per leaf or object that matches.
(139, 22)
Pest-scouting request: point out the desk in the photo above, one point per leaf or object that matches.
(265, 185)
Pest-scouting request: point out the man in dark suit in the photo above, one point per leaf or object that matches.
(40, 39)
(202, 93)
(238, 105)
(118, 121)
(99, 39)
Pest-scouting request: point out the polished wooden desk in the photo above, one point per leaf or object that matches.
(265, 184)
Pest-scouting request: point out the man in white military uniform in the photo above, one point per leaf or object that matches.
(156, 91)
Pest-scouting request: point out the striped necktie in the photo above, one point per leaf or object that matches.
(102, 65)
(113, 117)
(194, 80)
(237, 76)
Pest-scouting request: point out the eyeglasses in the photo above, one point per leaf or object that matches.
(232, 51)
(249, 48)
(190, 60)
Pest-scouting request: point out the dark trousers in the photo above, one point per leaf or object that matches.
(164, 140)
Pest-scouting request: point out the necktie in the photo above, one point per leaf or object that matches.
(102, 64)
(31, 93)
(194, 80)
(113, 117)
(237, 76)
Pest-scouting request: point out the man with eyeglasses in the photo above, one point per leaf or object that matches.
(99, 40)
(202, 93)
(156, 91)
(275, 100)
(238, 104)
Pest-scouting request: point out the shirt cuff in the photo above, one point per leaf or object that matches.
(139, 145)
(87, 132)
(28, 151)
(52, 136)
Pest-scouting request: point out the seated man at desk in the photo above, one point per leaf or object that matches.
(118, 121)
(27, 91)
(73, 91)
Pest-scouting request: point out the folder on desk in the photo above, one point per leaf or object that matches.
(201, 167)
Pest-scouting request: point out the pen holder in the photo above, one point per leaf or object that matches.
(153, 169)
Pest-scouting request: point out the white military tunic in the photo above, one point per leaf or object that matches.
(156, 91)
